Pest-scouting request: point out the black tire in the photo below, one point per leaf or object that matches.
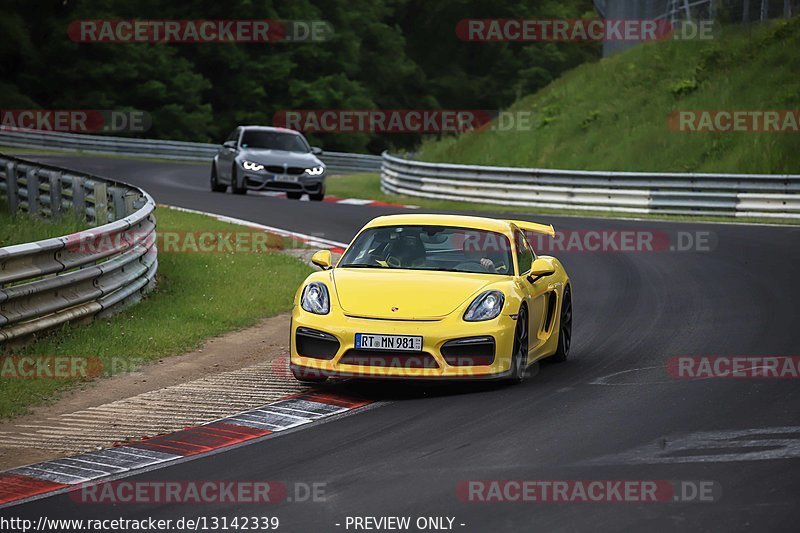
(235, 189)
(519, 357)
(294, 195)
(564, 328)
(215, 185)
(308, 377)
(317, 197)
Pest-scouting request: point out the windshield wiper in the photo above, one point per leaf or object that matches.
(359, 265)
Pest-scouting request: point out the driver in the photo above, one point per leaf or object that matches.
(493, 262)
(488, 264)
(411, 251)
(404, 251)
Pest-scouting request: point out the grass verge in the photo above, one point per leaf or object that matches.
(613, 114)
(22, 152)
(199, 295)
(20, 228)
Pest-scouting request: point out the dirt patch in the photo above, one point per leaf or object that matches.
(235, 350)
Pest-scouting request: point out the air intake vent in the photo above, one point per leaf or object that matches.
(551, 307)
(388, 359)
(317, 344)
(469, 351)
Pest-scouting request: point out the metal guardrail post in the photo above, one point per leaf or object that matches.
(32, 187)
(130, 204)
(100, 203)
(55, 194)
(118, 200)
(12, 189)
(79, 197)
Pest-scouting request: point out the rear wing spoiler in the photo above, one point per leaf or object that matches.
(546, 229)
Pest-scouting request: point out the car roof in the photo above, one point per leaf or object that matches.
(461, 221)
(270, 128)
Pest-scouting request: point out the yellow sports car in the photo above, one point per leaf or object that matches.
(432, 297)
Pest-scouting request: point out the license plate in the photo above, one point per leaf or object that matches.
(291, 179)
(402, 343)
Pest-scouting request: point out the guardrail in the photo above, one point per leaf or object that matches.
(336, 162)
(95, 272)
(739, 195)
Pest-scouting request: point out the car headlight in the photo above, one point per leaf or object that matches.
(485, 307)
(255, 167)
(315, 171)
(315, 299)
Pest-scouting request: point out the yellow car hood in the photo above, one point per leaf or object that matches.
(404, 294)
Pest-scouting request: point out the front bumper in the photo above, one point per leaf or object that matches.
(259, 181)
(315, 372)
(430, 363)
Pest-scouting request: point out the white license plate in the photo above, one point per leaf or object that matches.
(292, 179)
(401, 343)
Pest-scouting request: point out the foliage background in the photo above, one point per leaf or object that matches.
(384, 54)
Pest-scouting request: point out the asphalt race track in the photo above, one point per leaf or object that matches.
(611, 412)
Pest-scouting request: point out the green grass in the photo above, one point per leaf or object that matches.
(612, 115)
(199, 295)
(40, 151)
(20, 228)
(368, 187)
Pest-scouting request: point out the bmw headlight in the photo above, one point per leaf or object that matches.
(255, 167)
(485, 307)
(315, 299)
(315, 171)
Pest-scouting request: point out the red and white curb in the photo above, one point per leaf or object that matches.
(22, 483)
(311, 240)
(337, 200)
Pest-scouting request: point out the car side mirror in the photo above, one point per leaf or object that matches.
(230, 144)
(539, 269)
(322, 259)
(316, 150)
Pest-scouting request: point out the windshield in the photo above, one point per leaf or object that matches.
(431, 248)
(274, 140)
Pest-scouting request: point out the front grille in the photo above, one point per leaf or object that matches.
(469, 351)
(279, 169)
(317, 344)
(388, 359)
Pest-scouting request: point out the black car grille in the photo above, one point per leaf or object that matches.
(279, 169)
(388, 359)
